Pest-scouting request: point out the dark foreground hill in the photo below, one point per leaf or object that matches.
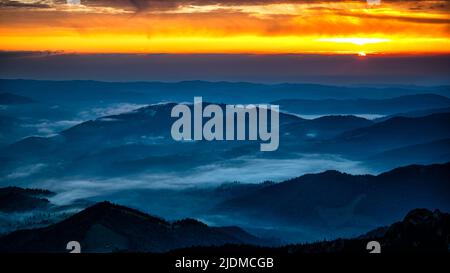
(421, 231)
(14, 199)
(106, 227)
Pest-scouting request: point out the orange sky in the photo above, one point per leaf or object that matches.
(221, 26)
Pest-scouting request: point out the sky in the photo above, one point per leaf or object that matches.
(225, 26)
(90, 35)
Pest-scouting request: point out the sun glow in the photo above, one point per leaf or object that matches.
(329, 27)
(355, 41)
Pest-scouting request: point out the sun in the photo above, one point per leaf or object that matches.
(362, 54)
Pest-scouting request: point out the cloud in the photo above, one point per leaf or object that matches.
(410, 17)
(110, 110)
(159, 5)
(48, 128)
(26, 171)
(247, 170)
(25, 4)
(225, 27)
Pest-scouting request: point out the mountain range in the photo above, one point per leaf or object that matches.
(91, 141)
(225, 92)
(385, 106)
(421, 231)
(330, 204)
(396, 132)
(105, 227)
(140, 141)
(336, 202)
(435, 151)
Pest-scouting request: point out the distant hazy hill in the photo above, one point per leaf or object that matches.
(10, 99)
(105, 227)
(10, 129)
(338, 200)
(393, 133)
(322, 127)
(415, 114)
(140, 140)
(426, 153)
(364, 106)
(226, 92)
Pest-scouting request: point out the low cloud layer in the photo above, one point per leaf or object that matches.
(245, 170)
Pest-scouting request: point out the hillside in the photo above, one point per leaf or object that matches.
(334, 201)
(105, 227)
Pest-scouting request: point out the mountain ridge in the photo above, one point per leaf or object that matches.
(107, 227)
(334, 200)
(387, 106)
(13, 99)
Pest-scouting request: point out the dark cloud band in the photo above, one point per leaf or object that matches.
(144, 5)
(329, 69)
